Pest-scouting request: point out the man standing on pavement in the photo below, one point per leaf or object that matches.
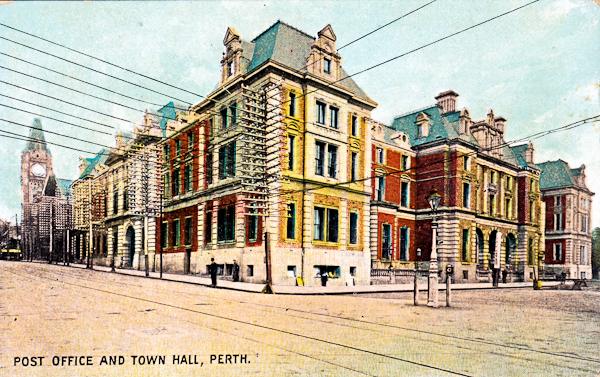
(236, 271)
(213, 272)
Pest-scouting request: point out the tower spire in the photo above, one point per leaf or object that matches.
(37, 140)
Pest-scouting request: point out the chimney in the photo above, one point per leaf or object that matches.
(446, 101)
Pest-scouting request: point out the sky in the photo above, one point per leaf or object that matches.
(538, 67)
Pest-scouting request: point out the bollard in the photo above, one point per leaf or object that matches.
(416, 289)
(448, 290)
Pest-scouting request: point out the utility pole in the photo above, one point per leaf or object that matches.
(90, 239)
(51, 245)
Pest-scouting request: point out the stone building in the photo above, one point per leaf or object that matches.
(257, 175)
(47, 200)
(568, 220)
(117, 198)
(490, 218)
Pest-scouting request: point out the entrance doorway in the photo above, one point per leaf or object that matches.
(130, 238)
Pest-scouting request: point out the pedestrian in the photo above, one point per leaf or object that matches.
(324, 278)
(236, 271)
(504, 274)
(213, 272)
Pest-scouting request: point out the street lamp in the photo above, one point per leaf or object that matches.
(432, 293)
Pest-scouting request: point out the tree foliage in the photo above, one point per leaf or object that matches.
(596, 252)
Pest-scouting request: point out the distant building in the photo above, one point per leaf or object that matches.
(490, 217)
(568, 220)
(47, 200)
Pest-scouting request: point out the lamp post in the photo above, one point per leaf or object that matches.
(432, 293)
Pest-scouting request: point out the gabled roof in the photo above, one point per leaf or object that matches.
(37, 140)
(291, 47)
(557, 174)
(440, 126)
(92, 163)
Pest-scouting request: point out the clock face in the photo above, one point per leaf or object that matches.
(38, 170)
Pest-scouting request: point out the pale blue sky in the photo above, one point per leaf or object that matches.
(537, 67)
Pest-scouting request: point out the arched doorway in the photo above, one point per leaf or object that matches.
(479, 244)
(492, 247)
(130, 238)
(511, 244)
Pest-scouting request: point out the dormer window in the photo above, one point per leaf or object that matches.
(230, 69)
(327, 66)
(422, 125)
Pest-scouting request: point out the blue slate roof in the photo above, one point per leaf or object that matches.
(557, 174)
(64, 185)
(519, 153)
(91, 163)
(440, 126)
(291, 47)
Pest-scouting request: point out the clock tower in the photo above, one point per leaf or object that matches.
(36, 164)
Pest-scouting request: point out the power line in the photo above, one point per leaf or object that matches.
(87, 82)
(94, 70)
(25, 138)
(57, 120)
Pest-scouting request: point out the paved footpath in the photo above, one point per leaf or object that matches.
(306, 290)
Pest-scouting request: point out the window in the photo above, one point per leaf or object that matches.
(332, 225)
(176, 178)
(292, 111)
(333, 117)
(326, 224)
(466, 195)
(557, 249)
(327, 66)
(508, 208)
(167, 184)
(249, 270)
(404, 194)
(208, 228)
(224, 118)
(233, 113)
(354, 166)
(227, 161)
(405, 163)
(508, 184)
(464, 255)
(380, 188)
(354, 125)
(353, 228)
(176, 233)
(188, 231)
(320, 158)
(167, 154)
(125, 200)
(466, 163)
(190, 141)
(582, 255)
(252, 227)
(291, 271)
(164, 235)
(291, 221)
(352, 271)
(404, 243)
(557, 200)
(115, 200)
(421, 129)
(320, 148)
(291, 139)
(187, 178)
(492, 205)
(321, 112)
(230, 69)
(584, 223)
(379, 155)
(319, 224)
(226, 224)
(386, 241)
(209, 167)
(492, 176)
(557, 221)
(332, 160)
(178, 146)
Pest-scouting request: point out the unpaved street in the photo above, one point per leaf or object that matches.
(78, 322)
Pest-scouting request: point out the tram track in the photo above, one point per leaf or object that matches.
(380, 328)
